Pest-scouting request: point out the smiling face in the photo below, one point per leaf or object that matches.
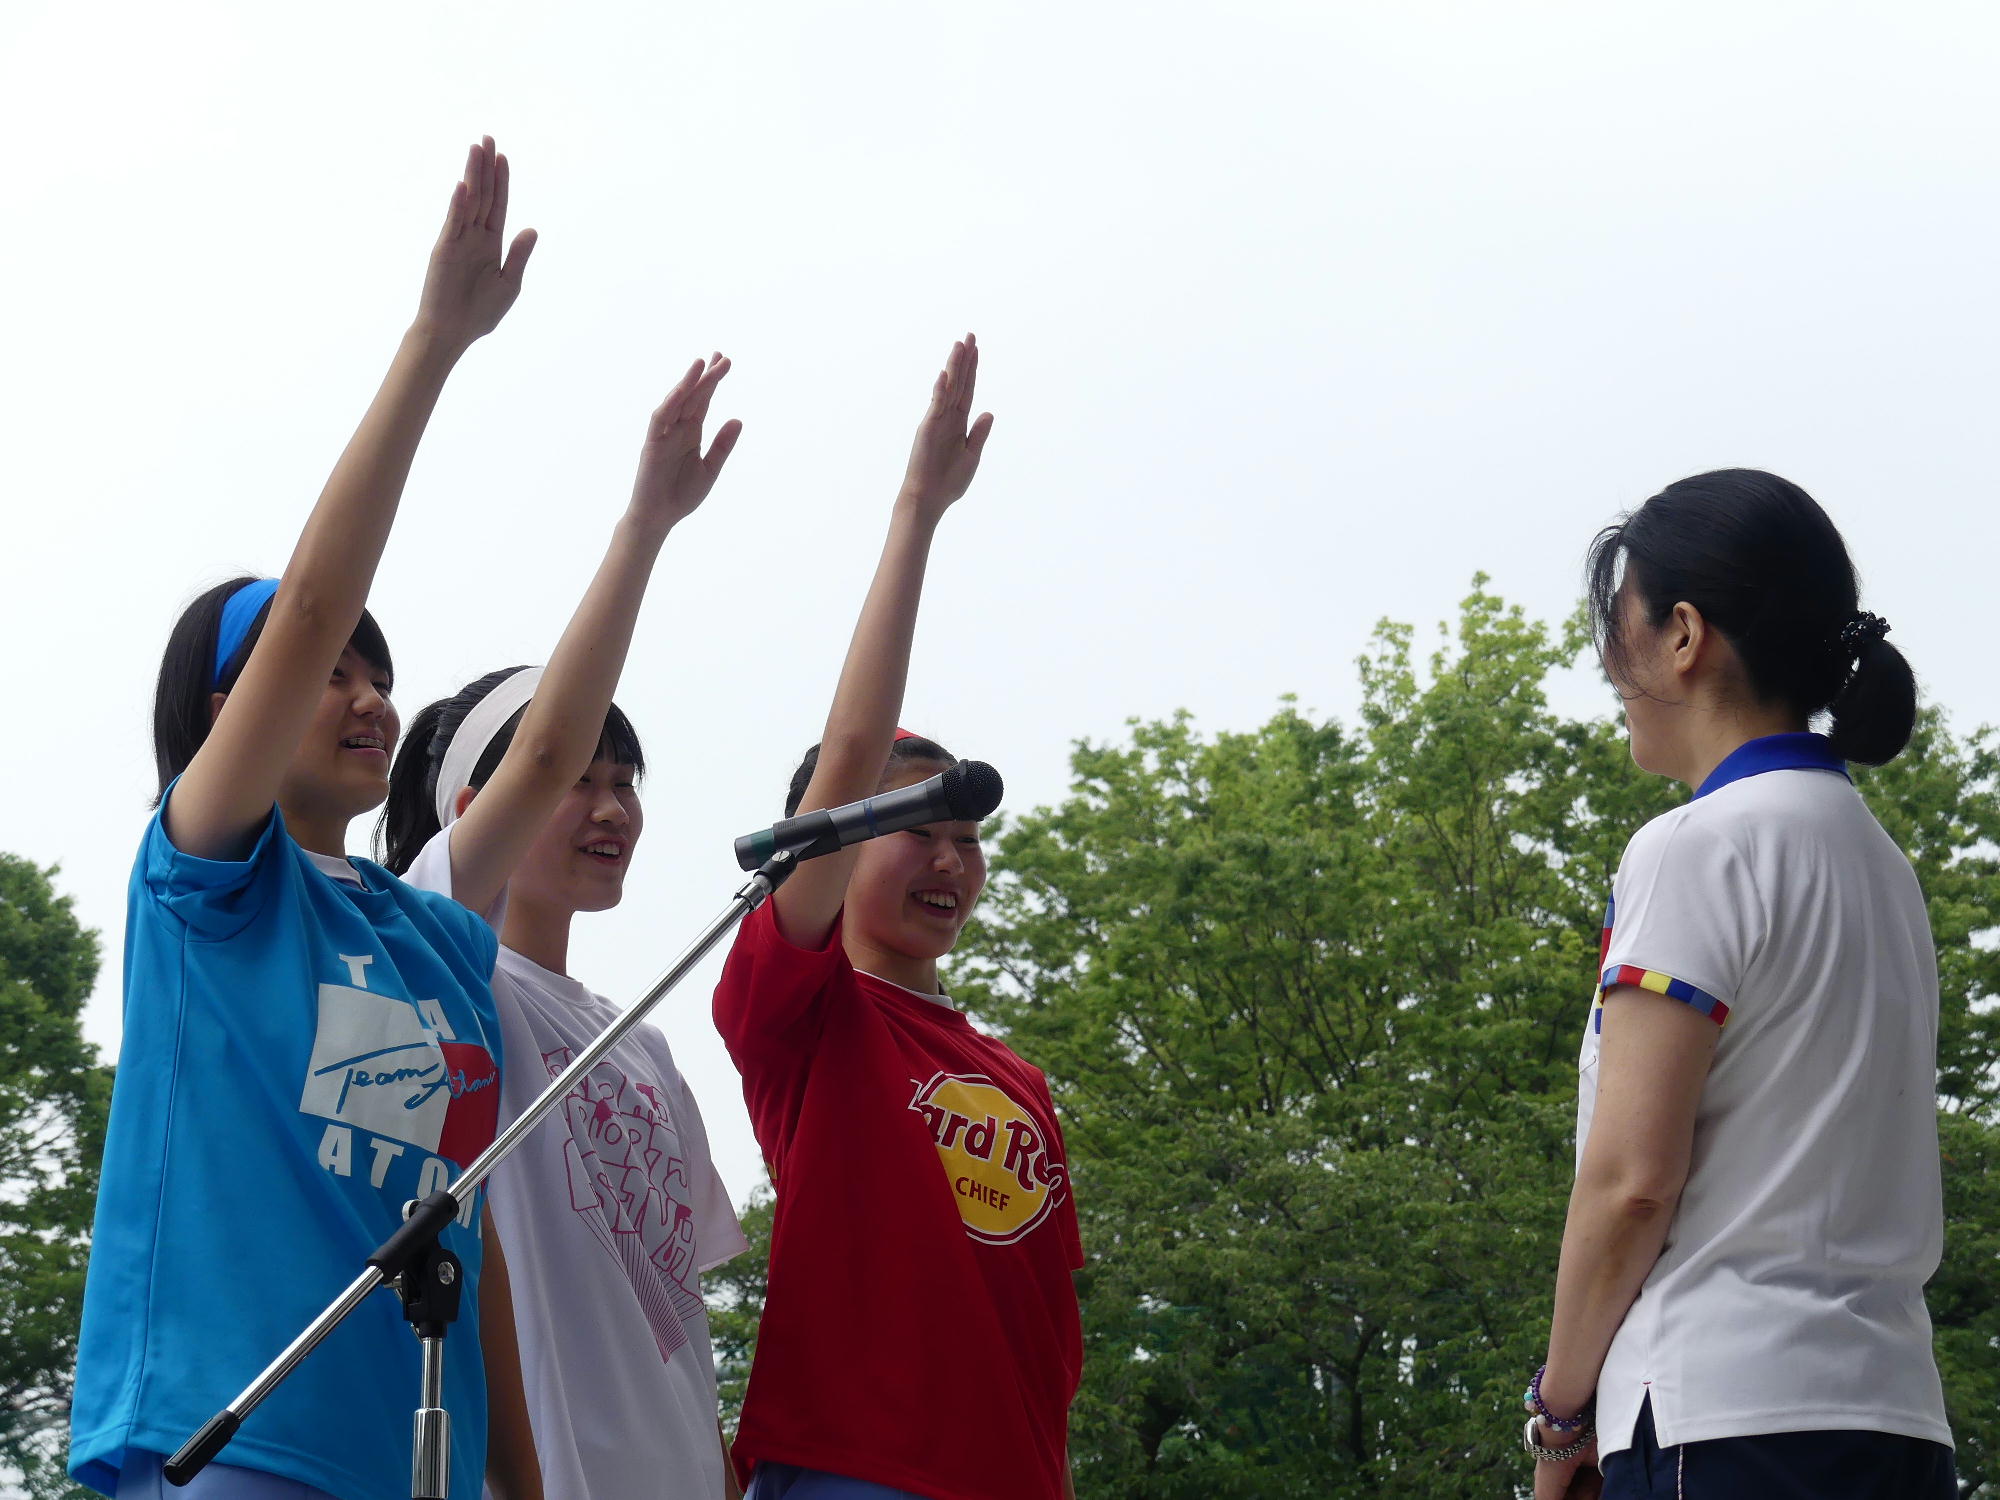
(911, 892)
(578, 861)
(341, 768)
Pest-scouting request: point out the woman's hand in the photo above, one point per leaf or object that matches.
(1572, 1479)
(674, 477)
(946, 453)
(468, 288)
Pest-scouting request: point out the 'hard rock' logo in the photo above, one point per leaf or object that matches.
(1003, 1175)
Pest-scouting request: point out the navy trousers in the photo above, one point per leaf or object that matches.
(789, 1482)
(1781, 1466)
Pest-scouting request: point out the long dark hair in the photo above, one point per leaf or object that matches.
(409, 818)
(1766, 567)
(181, 717)
(910, 747)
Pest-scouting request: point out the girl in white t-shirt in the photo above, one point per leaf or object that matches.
(1739, 1308)
(612, 1209)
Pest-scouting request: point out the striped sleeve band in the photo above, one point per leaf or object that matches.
(1664, 984)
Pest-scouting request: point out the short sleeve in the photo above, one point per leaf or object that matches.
(475, 943)
(770, 987)
(213, 898)
(1687, 919)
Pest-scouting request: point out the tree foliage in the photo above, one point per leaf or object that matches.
(53, 1100)
(735, 1294)
(1310, 999)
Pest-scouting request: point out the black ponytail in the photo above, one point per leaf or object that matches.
(409, 818)
(1875, 712)
(181, 717)
(1768, 569)
(909, 747)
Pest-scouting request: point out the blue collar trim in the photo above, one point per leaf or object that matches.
(1774, 752)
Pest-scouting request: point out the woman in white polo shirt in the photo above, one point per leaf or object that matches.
(1739, 1308)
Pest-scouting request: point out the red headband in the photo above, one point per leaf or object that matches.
(904, 734)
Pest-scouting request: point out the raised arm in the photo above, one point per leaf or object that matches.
(228, 789)
(560, 731)
(862, 723)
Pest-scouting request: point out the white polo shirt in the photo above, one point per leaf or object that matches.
(1789, 1296)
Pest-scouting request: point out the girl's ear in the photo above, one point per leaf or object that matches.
(215, 702)
(1687, 633)
(463, 800)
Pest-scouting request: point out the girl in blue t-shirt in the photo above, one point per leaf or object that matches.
(308, 1042)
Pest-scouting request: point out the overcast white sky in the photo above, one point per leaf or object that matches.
(1295, 316)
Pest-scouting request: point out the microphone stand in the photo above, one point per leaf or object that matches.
(426, 1276)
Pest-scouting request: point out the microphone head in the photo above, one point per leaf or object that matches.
(973, 789)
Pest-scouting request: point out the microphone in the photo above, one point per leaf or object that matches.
(966, 792)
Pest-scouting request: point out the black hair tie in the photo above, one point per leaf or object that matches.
(1861, 630)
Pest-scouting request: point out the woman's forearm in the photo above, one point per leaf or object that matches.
(861, 725)
(862, 720)
(1611, 1241)
(562, 725)
(334, 562)
(1635, 1162)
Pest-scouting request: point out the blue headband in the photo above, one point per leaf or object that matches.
(238, 614)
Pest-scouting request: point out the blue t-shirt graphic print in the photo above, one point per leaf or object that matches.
(301, 1057)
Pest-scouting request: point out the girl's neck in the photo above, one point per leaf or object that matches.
(1713, 734)
(919, 974)
(321, 832)
(539, 933)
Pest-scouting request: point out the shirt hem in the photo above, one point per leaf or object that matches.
(264, 1458)
(728, 1254)
(1674, 1434)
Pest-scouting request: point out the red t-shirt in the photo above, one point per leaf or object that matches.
(921, 1328)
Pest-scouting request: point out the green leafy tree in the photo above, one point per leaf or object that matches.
(53, 1099)
(1940, 800)
(1310, 999)
(735, 1294)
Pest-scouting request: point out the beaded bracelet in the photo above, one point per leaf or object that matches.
(1534, 1403)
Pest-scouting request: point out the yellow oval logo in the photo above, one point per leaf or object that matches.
(1003, 1175)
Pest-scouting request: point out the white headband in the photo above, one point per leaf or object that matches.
(488, 717)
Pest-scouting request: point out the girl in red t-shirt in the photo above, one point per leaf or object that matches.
(920, 1334)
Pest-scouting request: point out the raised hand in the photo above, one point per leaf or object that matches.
(946, 453)
(674, 477)
(468, 288)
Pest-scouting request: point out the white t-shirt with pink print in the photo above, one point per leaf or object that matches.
(607, 1214)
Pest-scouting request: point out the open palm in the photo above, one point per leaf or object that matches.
(469, 287)
(674, 475)
(949, 441)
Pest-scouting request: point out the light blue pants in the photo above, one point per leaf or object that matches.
(142, 1479)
